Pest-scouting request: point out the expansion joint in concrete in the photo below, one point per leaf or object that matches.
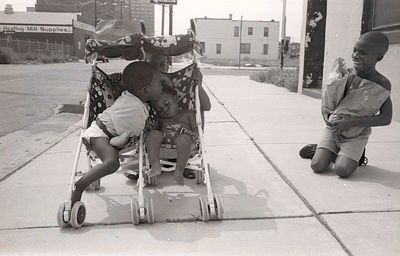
(287, 181)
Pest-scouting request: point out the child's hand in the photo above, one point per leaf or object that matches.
(325, 114)
(342, 123)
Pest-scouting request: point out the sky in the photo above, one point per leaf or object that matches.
(187, 9)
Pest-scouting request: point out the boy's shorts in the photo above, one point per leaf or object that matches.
(93, 131)
(352, 148)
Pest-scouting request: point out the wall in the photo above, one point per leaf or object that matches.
(343, 27)
(221, 31)
(390, 67)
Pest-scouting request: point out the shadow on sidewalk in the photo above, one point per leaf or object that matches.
(174, 204)
(373, 174)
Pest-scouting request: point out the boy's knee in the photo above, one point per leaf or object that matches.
(317, 166)
(343, 171)
(183, 140)
(112, 165)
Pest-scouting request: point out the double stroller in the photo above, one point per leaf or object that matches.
(102, 93)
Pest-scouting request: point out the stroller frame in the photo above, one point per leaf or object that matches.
(141, 207)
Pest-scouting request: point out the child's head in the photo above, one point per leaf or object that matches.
(369, 49)
(167, 105)
(160, 62)
(143, 80)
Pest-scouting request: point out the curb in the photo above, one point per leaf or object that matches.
(19, 163)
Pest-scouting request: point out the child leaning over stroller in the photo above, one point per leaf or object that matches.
(125, 118)
(175, 126)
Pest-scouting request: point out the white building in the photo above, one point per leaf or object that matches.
(220, 38)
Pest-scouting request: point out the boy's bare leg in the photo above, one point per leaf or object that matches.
(321, 160)
(183, 144)
(345, 166)
(110, 163)
(153, 144)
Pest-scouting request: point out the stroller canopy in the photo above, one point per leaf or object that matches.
(130, 47)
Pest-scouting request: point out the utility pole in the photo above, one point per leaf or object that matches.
(170, 18)
(283, 31)
(130, 10)
(120, 5)
(240, 38)
(95, 13)
(162, 19)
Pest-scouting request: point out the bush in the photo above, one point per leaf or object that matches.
(7, 55)
(287, 78)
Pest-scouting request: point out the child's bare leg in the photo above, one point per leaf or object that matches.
(183, 144)
(110, 163)
(153, 144)
(321, 160)
(345, 166)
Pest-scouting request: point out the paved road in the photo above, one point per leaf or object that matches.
(30, 93)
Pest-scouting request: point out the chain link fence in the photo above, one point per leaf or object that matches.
(22, 46)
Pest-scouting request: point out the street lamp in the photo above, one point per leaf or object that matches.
(283, 30)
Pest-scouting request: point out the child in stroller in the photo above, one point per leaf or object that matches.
(175, 127)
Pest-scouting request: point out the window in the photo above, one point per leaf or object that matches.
(236, 31)
(250, 31)
(266, 30)
(203, 47)
(245, 48)
(219, 46)
(265, 49)
(382, 15)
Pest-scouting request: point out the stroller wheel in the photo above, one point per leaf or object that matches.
(60, 215)
(78, 214)
(204, 211)
(134, 211)
(149, 210)
(219, 208)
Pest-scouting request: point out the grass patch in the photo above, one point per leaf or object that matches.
(287, 78)
(8, 56)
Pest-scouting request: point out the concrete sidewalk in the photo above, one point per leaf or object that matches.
(274, 204)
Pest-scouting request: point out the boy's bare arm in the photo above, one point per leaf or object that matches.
(383, 118)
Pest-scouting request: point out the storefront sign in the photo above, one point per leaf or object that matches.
(83, 26)
(37, 29)
(164, 1)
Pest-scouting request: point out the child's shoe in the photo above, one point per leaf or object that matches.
(308, 151)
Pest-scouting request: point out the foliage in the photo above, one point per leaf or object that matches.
(8, 56)
(287, 78)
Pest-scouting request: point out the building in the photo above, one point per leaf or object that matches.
(143, 10)
(359, 16)
(134, 10)
(45, 28)
(221, 38)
